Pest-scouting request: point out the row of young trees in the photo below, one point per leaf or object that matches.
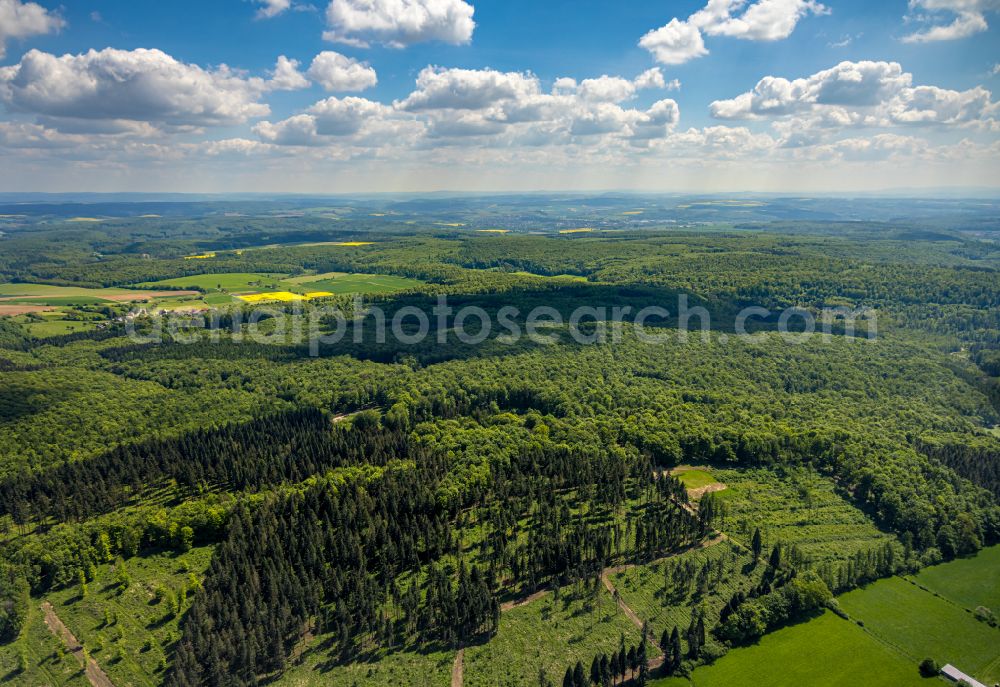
(623, 665)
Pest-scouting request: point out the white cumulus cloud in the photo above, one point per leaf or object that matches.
(488, 108)
(272, 8)
(765, 20)
(336, 72)
(399, 23)
(933, 105)
(676, 43)
(467, 89)
(681, 41)
(23, 19)
(849, 84)
(138, 85)
(286, 76)
(857, 94)
(969, 18)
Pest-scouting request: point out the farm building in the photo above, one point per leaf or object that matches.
(956, 675)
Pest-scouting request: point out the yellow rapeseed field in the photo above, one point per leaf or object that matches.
(282, 296)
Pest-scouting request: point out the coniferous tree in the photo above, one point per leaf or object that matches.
(675, 649)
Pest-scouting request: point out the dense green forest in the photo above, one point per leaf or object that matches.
(382, 507)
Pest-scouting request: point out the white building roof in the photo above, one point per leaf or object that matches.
(953, 673)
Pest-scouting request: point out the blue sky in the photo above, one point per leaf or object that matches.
(856, 95)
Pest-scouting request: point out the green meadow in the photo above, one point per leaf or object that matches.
(52, 323)
(235, 281)
(37, 291)
(696, 479)
(968, 582)
(256, 282)
(824, 652)
(922, 625)
(354, 283)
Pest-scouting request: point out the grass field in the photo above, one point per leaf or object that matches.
(232, 282)
(824, 652)
(359, 283)
(695, 479)
(53, 322)
(58, 300)
(547, 634)
(795, 507)
(55, 325)
(132, 647)
(922, 625)
(258, 283)
(46, 292)
(968, 582)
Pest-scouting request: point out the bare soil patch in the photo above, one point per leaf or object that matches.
(20, 309)
(148, 295)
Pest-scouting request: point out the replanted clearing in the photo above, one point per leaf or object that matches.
(551, 634)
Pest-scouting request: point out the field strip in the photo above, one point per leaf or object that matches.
(97, 677)
(457, 669)
(14, 310)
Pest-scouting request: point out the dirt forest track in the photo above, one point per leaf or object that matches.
(457, 669)
(96, 676)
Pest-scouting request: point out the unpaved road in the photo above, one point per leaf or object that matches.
(524, 601)
(97, 677)
(457, 669)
